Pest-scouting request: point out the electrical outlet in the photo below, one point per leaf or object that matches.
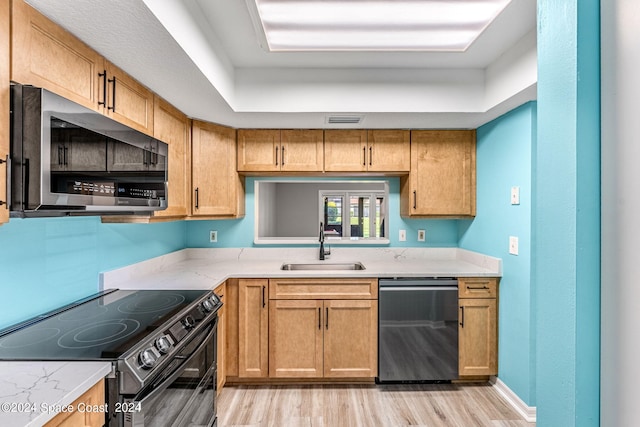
(421, 235)
(515, 195)
(213, 236)
(402, 236)
(513, 245)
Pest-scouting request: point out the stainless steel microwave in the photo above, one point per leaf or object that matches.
(69, 160)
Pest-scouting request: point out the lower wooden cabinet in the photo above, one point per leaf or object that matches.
(94, 397)
(221, 346)
(253, 328)
(478, 327)
(296, 338)
(332, 337)
(351, 339)
(316, 338)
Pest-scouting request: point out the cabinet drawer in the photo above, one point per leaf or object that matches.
(323, 288)
(477, 287)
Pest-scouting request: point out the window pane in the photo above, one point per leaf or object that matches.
(333, 207)
(359, 216)
(380, 217)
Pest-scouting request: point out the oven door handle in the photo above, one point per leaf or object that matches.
(171, 378)
(417, 288)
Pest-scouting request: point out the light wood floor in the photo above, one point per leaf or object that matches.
(366, 406)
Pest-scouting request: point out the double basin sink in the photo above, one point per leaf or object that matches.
(324, 266)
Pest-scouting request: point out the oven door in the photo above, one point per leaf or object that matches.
(184, 393)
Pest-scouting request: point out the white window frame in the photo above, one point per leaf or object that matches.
(346, 211)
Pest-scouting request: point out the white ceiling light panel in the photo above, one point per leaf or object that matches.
(333, 25)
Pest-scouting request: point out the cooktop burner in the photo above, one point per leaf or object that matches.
(101, 328)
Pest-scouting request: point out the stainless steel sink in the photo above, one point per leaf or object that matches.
(324, 266)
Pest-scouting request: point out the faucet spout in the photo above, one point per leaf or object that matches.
(323, 253)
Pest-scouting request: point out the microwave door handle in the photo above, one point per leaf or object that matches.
(176, 374)
(7, 163)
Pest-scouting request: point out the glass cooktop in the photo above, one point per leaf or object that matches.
(102, 328)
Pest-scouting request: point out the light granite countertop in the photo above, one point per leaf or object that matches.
(206, 268)
(32, 393)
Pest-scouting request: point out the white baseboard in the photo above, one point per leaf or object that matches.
(527, 412)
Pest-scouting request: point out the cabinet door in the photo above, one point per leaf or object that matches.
(216, 186)
(222, 339)
(259, 150)
(93, 397)
(345, 150)
(389, 151)
(478, 337)
(350, 338)
(45, 55)
(442, 181)
(253, 328)
(301, 150)
(128, 101)
(295, 338)
(4, 109)
(172, 127)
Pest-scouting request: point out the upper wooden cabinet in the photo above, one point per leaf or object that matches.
(47, 56)
(274, 150)
(216, 189)
(4, 109)
(442, 181)
(174, 128)
(345, 150)
(389, 150)
(125, 100)
(367, 151)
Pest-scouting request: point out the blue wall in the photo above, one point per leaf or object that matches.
(566, 214)
(239, 233)
(46, 263)
(504, 159)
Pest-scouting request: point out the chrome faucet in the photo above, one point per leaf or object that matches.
(323, 253)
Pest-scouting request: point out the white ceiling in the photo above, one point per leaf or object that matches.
(204, 57)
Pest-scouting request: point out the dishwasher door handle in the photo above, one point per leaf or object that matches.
(417, 288)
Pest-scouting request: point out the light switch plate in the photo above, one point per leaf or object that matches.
(402, 236)
(513, 245)
(515, 195)
(213, 236)
(421, 235)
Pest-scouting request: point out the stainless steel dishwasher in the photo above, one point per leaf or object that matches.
(418, 330)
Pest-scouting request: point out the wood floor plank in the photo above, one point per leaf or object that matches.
(433, 405)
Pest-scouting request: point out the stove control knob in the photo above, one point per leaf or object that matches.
(188, 322)
(147, 359)
(163, 344)
(208, 305)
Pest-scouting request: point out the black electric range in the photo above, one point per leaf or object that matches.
(148, 335)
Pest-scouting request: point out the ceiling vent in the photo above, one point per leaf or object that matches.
(344, 120)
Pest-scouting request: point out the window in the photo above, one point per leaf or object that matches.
(351, 211)
(353, 215)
